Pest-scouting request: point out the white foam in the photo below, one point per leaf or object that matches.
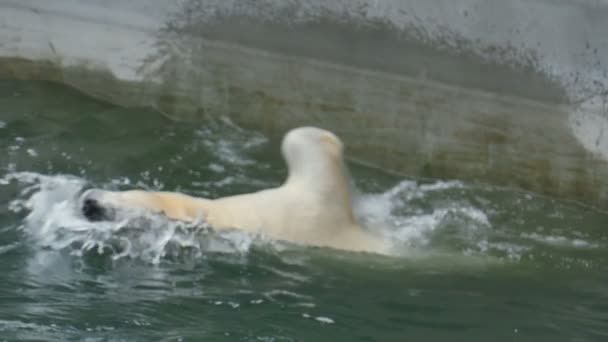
(277, 295)
(7, 248)
(54, 221)
(325, 320)
(510, 251)
(13, 325)
(559, 241)
(391, 213)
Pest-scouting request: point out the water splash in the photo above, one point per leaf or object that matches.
(457, 220)
(410, 225)
(428, 220)
(54, 221)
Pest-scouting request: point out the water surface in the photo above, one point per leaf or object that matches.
(471, 262)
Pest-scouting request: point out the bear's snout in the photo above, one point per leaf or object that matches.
(93, 208)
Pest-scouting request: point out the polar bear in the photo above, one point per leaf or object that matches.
(312, 207)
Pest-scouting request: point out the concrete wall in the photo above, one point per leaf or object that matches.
(509, 92)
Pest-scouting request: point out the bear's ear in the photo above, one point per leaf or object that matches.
(333, 143)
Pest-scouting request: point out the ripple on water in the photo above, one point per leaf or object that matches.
(462, 252)
(416, 218)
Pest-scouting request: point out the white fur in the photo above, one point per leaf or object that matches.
(312, 207)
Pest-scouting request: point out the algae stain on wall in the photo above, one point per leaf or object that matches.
(400, 120)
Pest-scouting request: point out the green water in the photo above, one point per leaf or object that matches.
(471, 263)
